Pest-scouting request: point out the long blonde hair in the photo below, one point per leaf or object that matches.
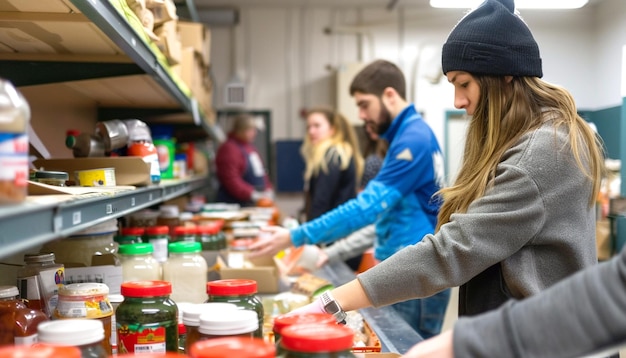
(343, 142)
(505, 112)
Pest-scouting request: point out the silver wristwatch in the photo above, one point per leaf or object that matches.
(331, 306)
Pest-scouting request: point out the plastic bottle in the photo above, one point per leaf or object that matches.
(317, 341)
(140, 144)
(232, 347)
(85, 334)
(187, 270)
(166, 149)
(147, 320)
(14, 118)
(240, 292)
(20, 322)
(138, 264)
(39, 281)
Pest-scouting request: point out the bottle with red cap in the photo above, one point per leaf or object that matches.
(317, 341)
(232, 347)
(240, 292)
(283, 321)
(147, 319)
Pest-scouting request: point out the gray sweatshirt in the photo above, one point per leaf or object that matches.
(583, 314)
(533, 227)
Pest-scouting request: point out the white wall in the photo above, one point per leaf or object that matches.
(287, 61)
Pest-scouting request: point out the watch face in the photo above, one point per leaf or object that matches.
(332, 307)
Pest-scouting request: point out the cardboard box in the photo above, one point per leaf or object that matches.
(128, 170)
(164, 12)
(197, 36)
(265, 273)
(169, 42)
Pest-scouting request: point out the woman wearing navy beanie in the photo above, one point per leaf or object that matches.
(521, 215)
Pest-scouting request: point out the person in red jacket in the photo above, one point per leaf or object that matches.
(240, 170)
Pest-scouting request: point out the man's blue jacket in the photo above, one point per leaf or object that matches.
(400, 199)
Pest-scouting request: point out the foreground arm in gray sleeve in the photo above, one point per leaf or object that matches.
(582, 314)
(353, 245)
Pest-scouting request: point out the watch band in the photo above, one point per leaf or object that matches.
(333, 307)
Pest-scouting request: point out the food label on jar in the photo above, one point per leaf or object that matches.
(140, 339)
(14, 158)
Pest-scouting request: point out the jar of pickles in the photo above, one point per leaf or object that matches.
(87, 300)
(240, 292)
(232, 347)
(317, 341)
(183, 233)
(85, 334)
(211, 238)
(147, 320)
(130, 235)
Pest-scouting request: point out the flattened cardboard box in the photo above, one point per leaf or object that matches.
(128, 170)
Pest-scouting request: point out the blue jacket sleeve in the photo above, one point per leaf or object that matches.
(347, 218)
(400, 174)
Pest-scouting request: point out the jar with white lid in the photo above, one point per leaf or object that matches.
(86, 334)
(240, 323)
(187, 270)
(191, 318)
(138, 263)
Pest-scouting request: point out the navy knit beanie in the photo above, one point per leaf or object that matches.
(492, 40)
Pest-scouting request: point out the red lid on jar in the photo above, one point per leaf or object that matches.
(284, 321)
(184, 230)
(182, 329)
(132, 231)
(231, 347)
(317, 338)
(206, 229)
(231, 287)
(146, 288)
(158, 230)
(39, 350)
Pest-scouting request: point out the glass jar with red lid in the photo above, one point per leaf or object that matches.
(232, 347)
(240, 292)
(183, 233)
(317, 341)
(159, 237)
(130, 235)
(147, 319)
(283, 321)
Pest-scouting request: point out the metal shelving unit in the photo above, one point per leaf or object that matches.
(33, 223)
(41, 219)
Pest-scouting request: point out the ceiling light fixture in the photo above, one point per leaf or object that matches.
(520, 4)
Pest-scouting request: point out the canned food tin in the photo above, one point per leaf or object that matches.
(96, 177)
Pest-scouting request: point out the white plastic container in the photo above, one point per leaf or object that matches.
(86, 334)
(138, 263)
(187, 270)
